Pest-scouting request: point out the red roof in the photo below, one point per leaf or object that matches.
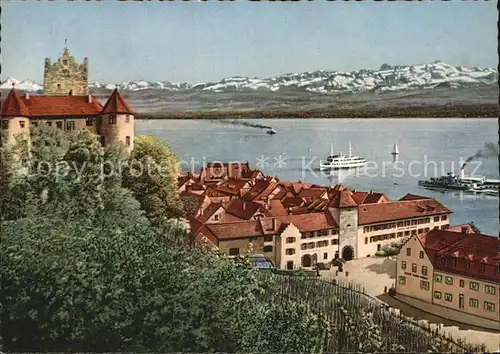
(310, 222)
(13, 106)
(473, 255)
(397, 210)
(343, 199)
(243, 209)
(44, 106)
(117, 104)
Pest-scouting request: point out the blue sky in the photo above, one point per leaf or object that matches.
(193, 42)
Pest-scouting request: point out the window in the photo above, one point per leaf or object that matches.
(127, 118)
(234, 251)
(474, 286)
(414, 267)
(379, 246)
(437, 294)
(402, 280)
(400, 224)
(290, 239)
(268, 238)
(70, 125)
(482, 267)
(366, 240)
(413, 232)
(58, 125)
(290, 251)
(421, 254)
(35, 124)
(112, 119)
(473, 302)
(216, 217)
(420, 231)
(22, 123)
(289, 265)
(407, 223)
(448, 297)
(5, 124)
(489, 306)
(325, 255)
(424, 270)
(438, 278)
(424, 285)
(89, 122)
(488, 289)
(448, 280)
(462, 283)
(408, 252)
(322, 243)
(334, 232)
(268, 248)
(444, 217)
(436, 218)
(49, 124)
(335, 241)
(403, 265)
(407, 233)
(58, 86)
(400, 234)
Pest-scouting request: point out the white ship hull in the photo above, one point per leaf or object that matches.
(342, 164)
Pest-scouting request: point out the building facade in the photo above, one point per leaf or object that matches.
(456, 270)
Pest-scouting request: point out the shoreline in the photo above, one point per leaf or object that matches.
(431, 112)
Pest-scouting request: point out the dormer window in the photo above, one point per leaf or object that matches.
(112, 119)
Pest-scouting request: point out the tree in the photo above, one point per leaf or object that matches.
(152, 177)
(190, 204)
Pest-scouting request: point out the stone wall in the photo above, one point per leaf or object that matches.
(65, 75)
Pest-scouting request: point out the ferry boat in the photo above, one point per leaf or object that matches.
(340, 161)
(450, 181)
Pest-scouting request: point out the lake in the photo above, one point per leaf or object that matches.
(428, 148)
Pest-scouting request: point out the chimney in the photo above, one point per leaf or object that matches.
(244, 206)
(70, 92)
(462, 173)
(273, 224)
(26, 96)
(89, 97)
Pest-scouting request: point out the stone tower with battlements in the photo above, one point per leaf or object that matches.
(65, 76)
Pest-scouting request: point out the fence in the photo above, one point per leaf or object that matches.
(360, 323)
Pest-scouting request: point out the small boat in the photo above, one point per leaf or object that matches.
(271, 132)
(395, 149)
(340, 161)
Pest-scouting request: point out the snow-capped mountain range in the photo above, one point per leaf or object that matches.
(387, 78)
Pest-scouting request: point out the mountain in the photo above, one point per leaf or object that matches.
(26, 85)
(387, 78)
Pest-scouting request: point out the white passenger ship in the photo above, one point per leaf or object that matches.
(340, 161)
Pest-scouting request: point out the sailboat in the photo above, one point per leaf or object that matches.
(339, 161)
(395, 149)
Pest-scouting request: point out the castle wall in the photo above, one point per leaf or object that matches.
(15, 126)
(348, 231)
(112, 133)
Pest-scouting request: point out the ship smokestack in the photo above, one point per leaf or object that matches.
(462, 173)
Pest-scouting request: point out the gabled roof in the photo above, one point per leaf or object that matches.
(117, 104)
(343, 199)
(208, 212)
(310, 222)
(243, 209)
(413, 197)
(397, 210)
(13, 106)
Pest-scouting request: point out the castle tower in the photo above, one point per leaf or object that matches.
(65, 75)
(14, 118)
(116, 122)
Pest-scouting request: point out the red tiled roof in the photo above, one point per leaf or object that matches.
(234, 230)
(45, 106)
(343, 199)
(312, 193)
(396, 210)
(470, 229)
(310, 222)
(243, 209)
(117, 104)
(413, 197)
(475, 255)
(275, 208)
(13, 106)
(207, 213)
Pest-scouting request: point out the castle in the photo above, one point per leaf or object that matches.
(66, 104)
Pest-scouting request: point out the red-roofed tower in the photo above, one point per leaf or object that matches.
(116, 122)
(14, 117)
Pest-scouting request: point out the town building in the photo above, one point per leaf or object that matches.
(67, 105)
(456, 269)
(298, 225)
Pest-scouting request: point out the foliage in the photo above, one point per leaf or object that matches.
(392, 249)
(152, 177)
(190, 204)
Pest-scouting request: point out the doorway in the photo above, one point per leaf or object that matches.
(347, 253)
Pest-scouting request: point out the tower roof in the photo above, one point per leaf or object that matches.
(117, 104)
(13, 106)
